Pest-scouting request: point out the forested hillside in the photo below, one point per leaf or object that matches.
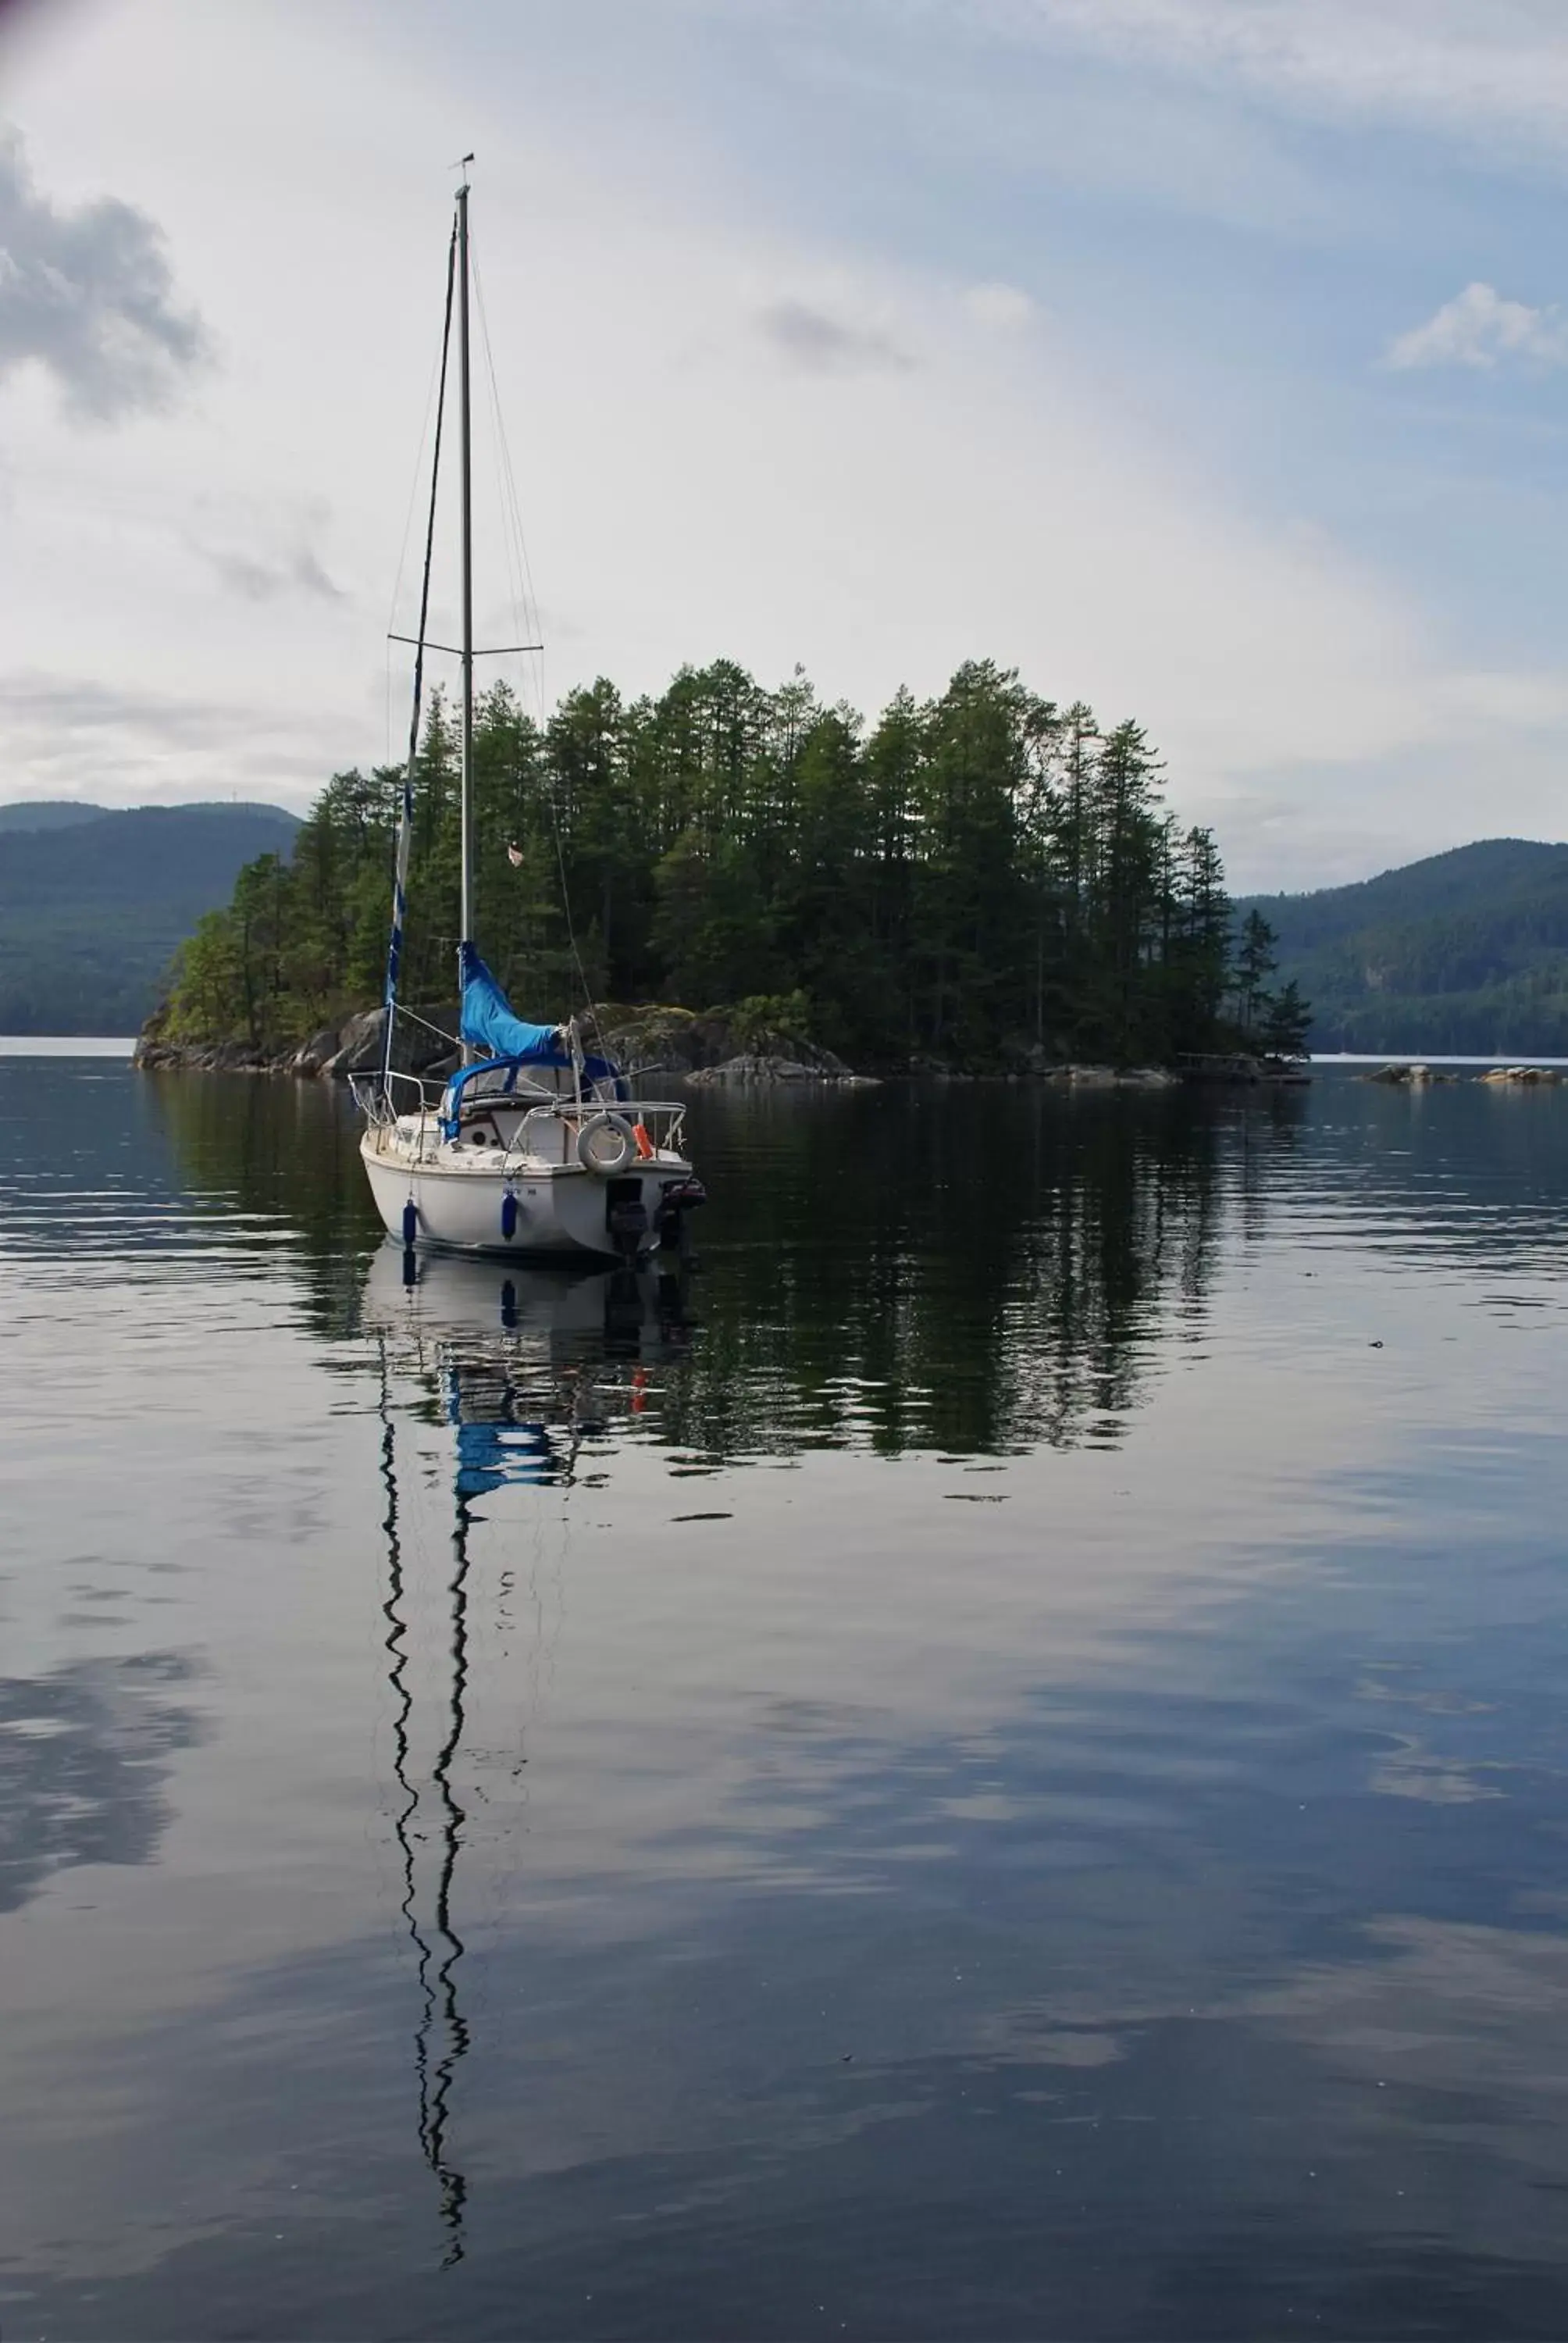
(1464, 952)
(49, 813)
(981, 874)
(94, 905)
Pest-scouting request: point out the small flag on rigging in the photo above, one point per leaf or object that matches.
(514, 857)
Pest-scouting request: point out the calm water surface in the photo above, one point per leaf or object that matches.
(990, 1763)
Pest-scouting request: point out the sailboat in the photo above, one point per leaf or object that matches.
(535, 1144)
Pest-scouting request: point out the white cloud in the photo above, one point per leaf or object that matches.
(261, 552)
(1002, 306)
(686, 493)
(1477, 329)
(259, 577)
(1477, 67)
(70, 735)
(810, 336)
(1497, 66)
(87, 296)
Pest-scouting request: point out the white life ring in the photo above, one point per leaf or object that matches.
(605, 1144)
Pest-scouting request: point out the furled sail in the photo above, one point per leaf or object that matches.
(489, 1023)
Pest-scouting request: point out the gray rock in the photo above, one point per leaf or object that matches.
(312, 1055)
(414, 1049)
(756, 1066)
(753, 1066)
(360, 1046)
(656, 1038)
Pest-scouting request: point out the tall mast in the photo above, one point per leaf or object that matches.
(465, 470)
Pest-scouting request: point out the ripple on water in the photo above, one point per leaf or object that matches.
(984, 1749)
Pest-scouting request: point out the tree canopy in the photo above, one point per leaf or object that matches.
(976, 875)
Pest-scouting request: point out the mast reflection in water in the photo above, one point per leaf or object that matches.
(1061, 1831)
(512, 1357)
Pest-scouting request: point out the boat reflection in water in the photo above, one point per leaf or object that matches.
(525, 1366)
(526, 1363)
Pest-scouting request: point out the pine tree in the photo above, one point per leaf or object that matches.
(1284, 1021)
(981, 875)
(1255, 961)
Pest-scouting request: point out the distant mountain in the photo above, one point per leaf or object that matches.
(94, 903)
(69, 813)
(1464, 952)
(49, 813)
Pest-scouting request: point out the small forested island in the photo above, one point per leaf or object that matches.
(985, 881)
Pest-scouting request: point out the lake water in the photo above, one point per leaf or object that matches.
(990, 1762)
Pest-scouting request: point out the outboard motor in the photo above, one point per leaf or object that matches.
(679, 1198)
(625, 1217)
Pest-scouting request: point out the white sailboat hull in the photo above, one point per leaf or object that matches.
(558, 1209)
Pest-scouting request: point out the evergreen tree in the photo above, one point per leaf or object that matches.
(983, 875)
(1284, 1021)
(1254, 960)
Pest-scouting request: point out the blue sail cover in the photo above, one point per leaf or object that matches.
(491, 1455)
(488, 1021)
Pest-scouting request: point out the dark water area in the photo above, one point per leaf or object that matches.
(990, 1761)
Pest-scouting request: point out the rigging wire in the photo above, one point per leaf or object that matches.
(437, 370)
(524, 619)
(415, 1017)
(590, 1012)
(406, 818)
(430, 520)
(526, 608)
(526, 614)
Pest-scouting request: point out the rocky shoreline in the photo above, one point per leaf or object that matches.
(1417, 1075)
(711, 1048)
(651, 1041)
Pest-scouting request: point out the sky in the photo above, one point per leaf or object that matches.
(1206, 359)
